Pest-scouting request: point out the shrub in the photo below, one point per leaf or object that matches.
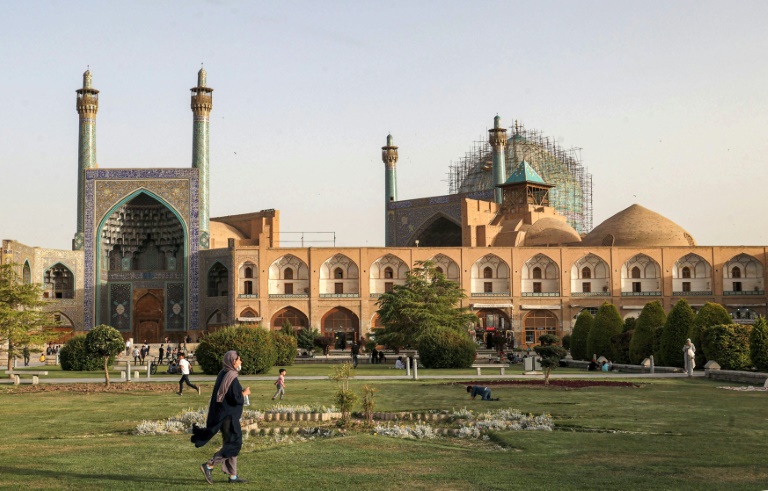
(580, 334)
(567, 341)
(607, 323)
(73, 356)
(679, 323)
(620, 346)
(105, 342)
(641, 344)
(657, 344)
(254, 345)
(711, 314)
(550, 353)
(285, 348)
(442, 347)
(758, 344)
(629, 324)
(305, 338)
(728, 345)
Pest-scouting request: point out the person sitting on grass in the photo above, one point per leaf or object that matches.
(399, 363)
(483, 392)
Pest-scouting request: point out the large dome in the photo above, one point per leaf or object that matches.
(638, 226)
(550, 232)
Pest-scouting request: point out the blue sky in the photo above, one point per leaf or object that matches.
(667, 101)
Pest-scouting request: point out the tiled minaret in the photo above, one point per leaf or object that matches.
(87, 107)
(389, 157)
(202, 103)
(497, 137)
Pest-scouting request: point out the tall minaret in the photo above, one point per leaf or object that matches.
(87, 107)
(497, 137)
(202, 103)
(389, 157)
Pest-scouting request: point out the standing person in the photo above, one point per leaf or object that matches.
(136, 357)
(280, 384)
(25, 353)
(162, 352)
(184, 367)
(689, 354)
(483, 392)
(224, 414)
(374, 356)
(128, 348)
(355, 354)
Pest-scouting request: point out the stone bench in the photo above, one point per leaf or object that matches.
(25, 373)
(499, 366)
(135, 369)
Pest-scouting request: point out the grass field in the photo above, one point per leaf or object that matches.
(665, 434)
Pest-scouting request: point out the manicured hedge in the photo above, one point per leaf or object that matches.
(728, 345)
(711, 314)
(253, 344)
(679, 323)
(442, 347)
(620, 346)
(74, 357)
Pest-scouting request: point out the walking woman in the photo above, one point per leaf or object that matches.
(224, 414)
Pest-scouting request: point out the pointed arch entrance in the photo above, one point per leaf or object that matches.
(537, 323)
(342, 324)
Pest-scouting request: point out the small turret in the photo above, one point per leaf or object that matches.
(202, 104)
(87, 107)
(497, 137)
(389, 157)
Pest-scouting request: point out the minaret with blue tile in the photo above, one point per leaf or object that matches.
(389, 157)
(202, 103)
(497, 137)
(87, 107)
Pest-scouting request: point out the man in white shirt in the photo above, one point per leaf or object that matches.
(184, 367)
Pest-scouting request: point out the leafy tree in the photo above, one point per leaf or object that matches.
(305, 338)
(105, 342)
(641, 344)
(22, 321)
(679, 323)
(728, 345)
(550, 352)
(608, 323)
(580, 334)
(345, 399)
(711, 314)
(426, 300)
(758, 344)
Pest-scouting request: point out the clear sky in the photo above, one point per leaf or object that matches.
(667, 99)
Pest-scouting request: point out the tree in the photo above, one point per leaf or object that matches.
(758, 344)
(580, 334)
(607, 323)
(104, 341)
(728, 345)
(22, 321)
(287, 328)
(641, 344)
(711, 314)
(550, 352)
(305, 338)
(679, 323)
(426, 300)
(629, 324)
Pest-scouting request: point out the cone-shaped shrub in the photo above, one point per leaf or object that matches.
(679, 323)
(580, 334)
(641, 345)
(607, 323)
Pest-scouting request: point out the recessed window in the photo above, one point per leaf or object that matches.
(537, 287)
(635, 272)
(288, 274)
(388, 286)
(737, 286)
(586, 273)
(388, 273)
(537, 273)
(289, 288)
(686, 286)
(637, 287)
(586, 287)
(249, 272)
(487, 272)
(736, 273)
(248, 288)
(686, 272)
(338, 288)
(488, 287)
(338, 273)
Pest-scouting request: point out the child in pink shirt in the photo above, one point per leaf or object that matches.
(280, 384)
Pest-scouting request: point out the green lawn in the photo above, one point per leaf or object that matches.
(666, 434)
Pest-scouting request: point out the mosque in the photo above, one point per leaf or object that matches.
(514, 231)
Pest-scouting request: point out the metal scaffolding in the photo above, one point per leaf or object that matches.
(572, 194)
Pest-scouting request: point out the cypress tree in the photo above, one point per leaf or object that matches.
(579, 335)
(711, 314)
(679, 323)
(641, 345)
(607, 323)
